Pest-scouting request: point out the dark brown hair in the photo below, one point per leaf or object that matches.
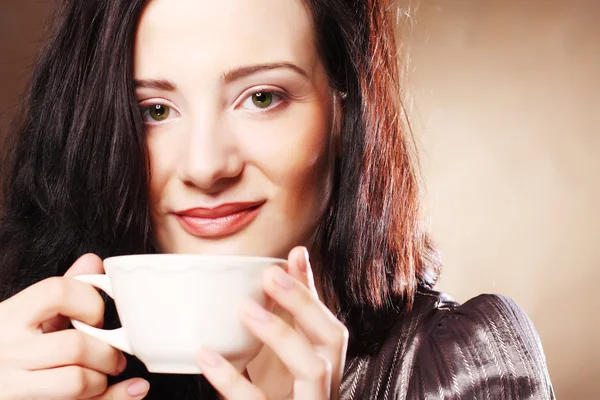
(373, 244)
(78, 177)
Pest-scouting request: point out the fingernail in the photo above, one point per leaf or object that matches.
(122, 363)
(256, 311)
(210, 358)
(283, 279)
(138, 388)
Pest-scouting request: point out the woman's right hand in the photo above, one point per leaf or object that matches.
(41, 358)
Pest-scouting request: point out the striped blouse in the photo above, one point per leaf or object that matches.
(484, 349)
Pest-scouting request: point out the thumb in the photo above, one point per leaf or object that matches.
(131, 389)
(86, 264)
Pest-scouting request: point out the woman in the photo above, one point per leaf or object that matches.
(264, 128)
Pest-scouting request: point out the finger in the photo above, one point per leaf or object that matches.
(227, 380)
(56, 296)
(299, 267)
(86, 264)
(311, 317)
(69, 382)
(63, 348)
(131, 389)
(292, 348)
(315, 320)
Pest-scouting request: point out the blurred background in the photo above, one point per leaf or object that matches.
(506, 110)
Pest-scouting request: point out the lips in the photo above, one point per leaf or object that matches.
(223, 220)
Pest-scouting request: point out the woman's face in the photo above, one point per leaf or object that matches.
(238, 115)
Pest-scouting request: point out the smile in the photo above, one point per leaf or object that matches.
(223, 220)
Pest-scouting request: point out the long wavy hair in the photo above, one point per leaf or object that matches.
(77, 171)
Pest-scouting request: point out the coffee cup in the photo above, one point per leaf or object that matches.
(172, 305)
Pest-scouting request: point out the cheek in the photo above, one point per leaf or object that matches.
(305, 173)
(295, 154)
(162, 153)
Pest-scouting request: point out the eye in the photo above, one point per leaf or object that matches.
(262, 100)
(156, 113)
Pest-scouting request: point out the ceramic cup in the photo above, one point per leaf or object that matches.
(171, 305)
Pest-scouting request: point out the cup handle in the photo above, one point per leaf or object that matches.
(116, 337)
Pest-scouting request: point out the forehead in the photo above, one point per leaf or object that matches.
(211, 36)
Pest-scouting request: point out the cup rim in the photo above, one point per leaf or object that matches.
(252, 261)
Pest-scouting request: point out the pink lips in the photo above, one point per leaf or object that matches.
(223, 220)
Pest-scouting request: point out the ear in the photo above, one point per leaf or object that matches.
(337, 126)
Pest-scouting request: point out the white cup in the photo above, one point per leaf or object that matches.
(172, 305)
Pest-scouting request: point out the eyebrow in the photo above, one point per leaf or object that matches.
(160, 84)
(243, 72)
(227, 77)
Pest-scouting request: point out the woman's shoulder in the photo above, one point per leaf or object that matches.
(486, 348)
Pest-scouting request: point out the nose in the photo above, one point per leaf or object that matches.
(210, 155)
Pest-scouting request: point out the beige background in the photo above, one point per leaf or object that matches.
(506, 110)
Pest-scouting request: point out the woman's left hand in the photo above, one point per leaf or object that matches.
(313, 350)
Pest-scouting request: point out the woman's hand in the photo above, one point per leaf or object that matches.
(40, 358)
(313, 350)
